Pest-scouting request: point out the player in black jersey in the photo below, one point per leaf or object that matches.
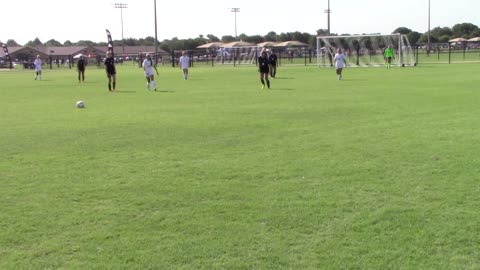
(272, 58)
(81, 64)
(111, 71)
(264, 69)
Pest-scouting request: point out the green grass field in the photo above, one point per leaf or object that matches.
(377, 171)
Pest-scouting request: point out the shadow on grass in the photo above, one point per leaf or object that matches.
(281, 89)
(283, 78)
(125, 91)
(166, 91)
(354, 80)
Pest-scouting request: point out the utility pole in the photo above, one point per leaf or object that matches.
(156, 43)
(328, 11)
(121, 6)
(235, 10)
(428, 35)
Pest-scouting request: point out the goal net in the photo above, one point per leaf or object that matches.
(237, 56)
(365, 50)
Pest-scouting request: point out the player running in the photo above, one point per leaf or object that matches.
(272, 58)
(389, 54)
(111, 71)
(263, 68)
(148, 67)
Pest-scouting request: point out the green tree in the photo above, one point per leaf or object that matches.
(302, 37)
(34, 43)
(212, 38)
(254, 39)
(148, 41)
(85, 43)
(402, 30)
(67, 43)
(414, 37)
(271, 36)
(227, 39)
(323, 32)
(424, 39)
(444, 39)
(242, 37)
(465, 30)
(285, 36)
(53, 43)
(438, 32)
(12, 43)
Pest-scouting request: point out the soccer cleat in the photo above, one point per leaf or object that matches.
(263, 87)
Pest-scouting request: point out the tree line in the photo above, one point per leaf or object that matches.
(437, 34)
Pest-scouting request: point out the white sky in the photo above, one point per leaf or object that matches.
(24, 20)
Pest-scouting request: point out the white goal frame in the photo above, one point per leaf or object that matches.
(370, 55)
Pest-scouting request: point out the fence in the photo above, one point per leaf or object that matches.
(439, 53)
(448, 53)
(245, 56)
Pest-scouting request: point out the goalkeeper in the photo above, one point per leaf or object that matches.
(388, 55)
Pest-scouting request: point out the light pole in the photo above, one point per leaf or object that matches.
(235, 10)
(156, 44)
(121, 6)
(328, 11)
(428, 35)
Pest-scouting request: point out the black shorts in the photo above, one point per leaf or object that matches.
(264, 70)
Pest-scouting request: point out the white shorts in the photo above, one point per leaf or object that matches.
(149, 72)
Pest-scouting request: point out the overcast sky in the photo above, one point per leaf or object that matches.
(87, 19)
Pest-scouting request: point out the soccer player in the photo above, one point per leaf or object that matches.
(272, 58)
(111, 71)
(184, 64)
(388, 56)
(340, 62)
(148, 67)
(263, 68)
(81, 64)
(38, 68)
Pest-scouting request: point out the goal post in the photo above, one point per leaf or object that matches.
(365, 50)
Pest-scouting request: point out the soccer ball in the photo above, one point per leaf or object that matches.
(80, 104)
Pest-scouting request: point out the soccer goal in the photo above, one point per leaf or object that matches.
(365, 50)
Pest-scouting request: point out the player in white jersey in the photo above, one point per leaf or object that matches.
(148, 67)
(184, 64)
(38, 68)
(340, 63)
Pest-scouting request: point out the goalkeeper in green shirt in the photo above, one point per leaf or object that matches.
(389, 54)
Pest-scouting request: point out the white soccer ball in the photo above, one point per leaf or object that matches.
(80, 104)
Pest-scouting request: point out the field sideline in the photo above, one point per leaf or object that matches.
(377, 171)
